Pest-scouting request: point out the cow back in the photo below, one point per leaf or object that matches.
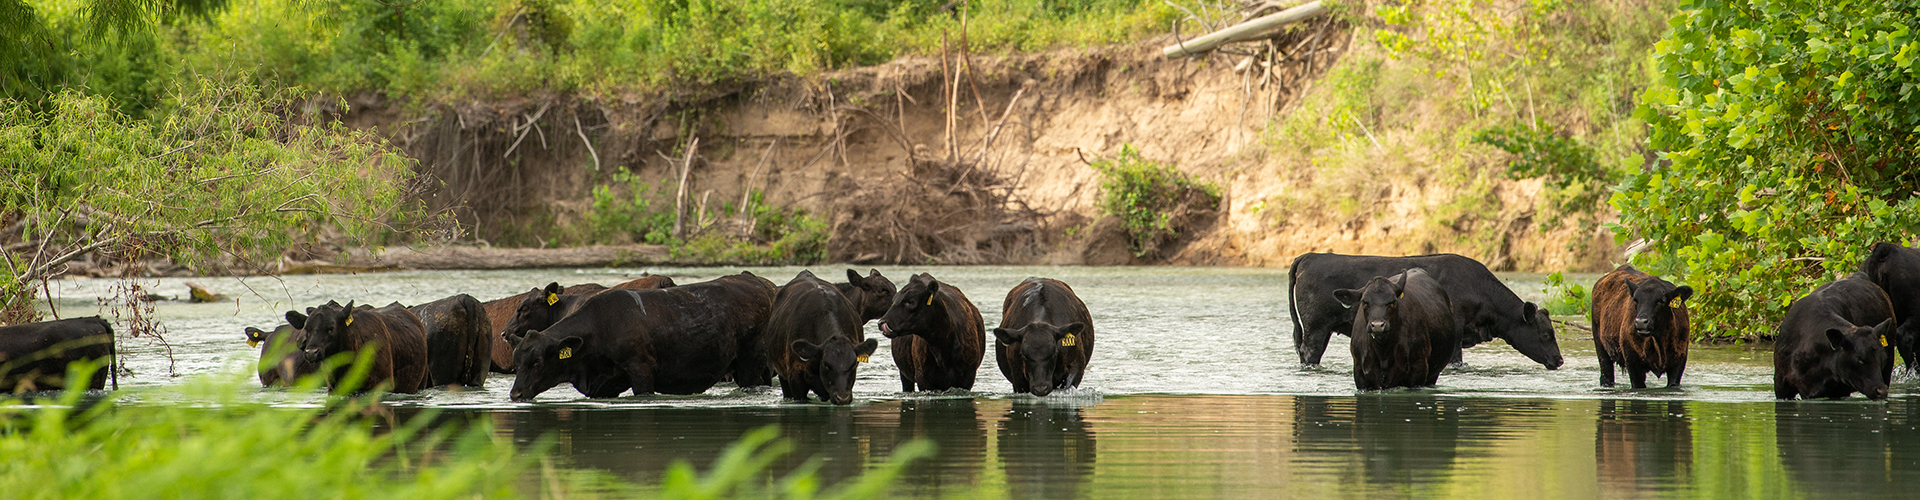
(458, 349)
(34, 356)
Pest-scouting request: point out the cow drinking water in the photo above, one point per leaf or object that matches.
(1835, 342)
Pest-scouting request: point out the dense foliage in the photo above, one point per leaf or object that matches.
(1790, 127)
(1148, 197)
(448, 49)
(212, 439)
(219, 172)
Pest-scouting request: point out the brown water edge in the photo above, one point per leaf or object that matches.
(1394, 444)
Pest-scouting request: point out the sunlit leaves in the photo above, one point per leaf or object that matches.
(1788, 130)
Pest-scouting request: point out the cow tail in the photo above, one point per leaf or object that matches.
(113, 353)
(1293, 306)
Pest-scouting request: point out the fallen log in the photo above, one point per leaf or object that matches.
(1249, 30)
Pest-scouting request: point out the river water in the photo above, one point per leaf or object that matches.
(1194, 391)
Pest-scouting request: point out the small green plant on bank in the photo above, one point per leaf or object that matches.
(1790, 127)
(1148, 196)
(212, 440)
(757, 234)
(1566, 297)
(1576, 183)
(614, 217)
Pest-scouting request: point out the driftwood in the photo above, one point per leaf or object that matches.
(513, 258)
(1256, 28)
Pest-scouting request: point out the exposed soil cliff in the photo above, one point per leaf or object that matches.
(1002, 178)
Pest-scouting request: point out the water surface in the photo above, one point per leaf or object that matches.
(1194, 391)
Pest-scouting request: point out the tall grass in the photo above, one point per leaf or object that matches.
(211, 438)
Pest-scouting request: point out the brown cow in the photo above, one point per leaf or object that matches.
(398, 338)
(501, 312)
(938, 335)
(1640, 323)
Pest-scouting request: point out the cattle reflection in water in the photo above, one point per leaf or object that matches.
(955, 428)
(1048, 451)
(1404, 438)
(1849, 451)
(1642, 446)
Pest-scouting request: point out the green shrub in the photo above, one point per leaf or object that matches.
(210, 438)
(1789, 125)
(1567, 297)
(1148, 197)
(614, 218)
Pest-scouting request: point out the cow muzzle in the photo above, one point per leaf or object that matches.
(887, 331)
(1876, 393)
(1376, 327)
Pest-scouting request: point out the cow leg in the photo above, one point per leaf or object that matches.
(1456, 362)
(793, 390)
(1673, 376)
(641, 378)
(1638, 374)
(1606, 365)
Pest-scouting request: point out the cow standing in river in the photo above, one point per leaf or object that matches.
(938, 336)
(679, 340)
(1045, 337)
(1640, 323)
(397, 337)
(501, 312)
(34, 356)
(1483, 307)
(1834, 342)
(1403, 330)
(458, 348)
(1896, 270)
(811, 340)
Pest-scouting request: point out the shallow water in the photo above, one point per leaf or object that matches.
(1194, 391)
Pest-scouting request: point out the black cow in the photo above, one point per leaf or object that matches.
(1045, 337)
(500, 313)
(458, 348)
(1896, 269)
(871, 295)
(1403, 330)
(34, 356)
(280, 361)
(938, 335)
(810, 337)
(1834, 342)
(679, 340)
(398, 338)
(1483, 307)
(1640, 322)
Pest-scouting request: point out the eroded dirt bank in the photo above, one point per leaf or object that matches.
(1003, 178)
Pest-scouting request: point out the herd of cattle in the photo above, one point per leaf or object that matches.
(1409, 319)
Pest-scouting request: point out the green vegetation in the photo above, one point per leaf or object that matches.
(437, 50)
(217, 172)
(1149, 198)
(1567, 297)
(1790, 127)
(1453, 96)
(757, 234)
(228, 446)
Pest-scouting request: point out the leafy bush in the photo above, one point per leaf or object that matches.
(1576, 181)
(613, 218)
(1567, 297)
(211, 439)
(1789, 125)
(1148, 197)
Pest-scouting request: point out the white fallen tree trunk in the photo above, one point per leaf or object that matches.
(1255, 28)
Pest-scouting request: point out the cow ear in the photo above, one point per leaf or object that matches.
(1007, 336)
(1399, 285)
(1528, 309)
(854, 277)
(1836, 340)
(866, 348)
(1632, 287)
(1074, 328)
(1347, 296)
(554, 287)
(1683, 293)
(255, 335)
(297, 320)
(806, 350)
(933, 287)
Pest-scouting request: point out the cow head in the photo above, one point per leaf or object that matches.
(542, 361)
(1039, 346)
(1856, 357)
(871, 295)
(915, 307)
(1535, 338)
(326, 329)
(1373, 304)
(1653, 302)
(539, 309)
(832, 364)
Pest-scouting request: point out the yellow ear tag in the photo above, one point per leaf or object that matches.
(1068, 341)
(1883, 341)
(349, 321)
(863, 358)
(566, 352)
(929, 299)
(553, 298)
(256, 343)
(1674, 303)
